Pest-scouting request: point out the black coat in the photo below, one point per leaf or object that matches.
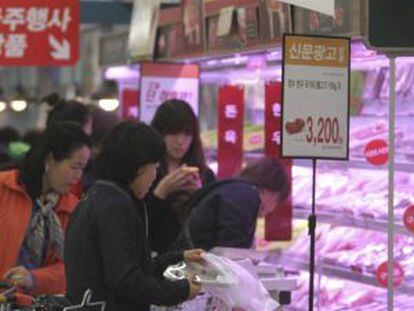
(106, 250)
(166, 217)
(222, 214)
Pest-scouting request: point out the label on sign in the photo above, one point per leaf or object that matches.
(408, 218)
(39, 33)
(376, 152)
(315, 110)
(382, 274)
(160, 82)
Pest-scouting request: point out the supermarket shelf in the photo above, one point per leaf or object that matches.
(341, 219)
(351, 164)
(338, 272)
(356, 164)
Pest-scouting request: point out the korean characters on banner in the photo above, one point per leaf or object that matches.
(163, 81)
(39, 33)
(315, 97)
(278, 224)
(230, 130)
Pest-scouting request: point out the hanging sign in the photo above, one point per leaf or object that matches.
(315, 110)
(278, 223)
(230, 130)
(39, 33)
(163, 81)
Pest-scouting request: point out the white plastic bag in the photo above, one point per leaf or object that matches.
(246, 292)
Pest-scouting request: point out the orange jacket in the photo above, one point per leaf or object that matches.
(15, 214)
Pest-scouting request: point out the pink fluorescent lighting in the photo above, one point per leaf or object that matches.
(122, 73)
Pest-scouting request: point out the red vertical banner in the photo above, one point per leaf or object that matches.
(278, 224)
(129, 103)
(230, 130)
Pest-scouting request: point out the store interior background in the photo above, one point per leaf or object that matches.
(351, 196)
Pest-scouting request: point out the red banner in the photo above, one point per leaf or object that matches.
(39, 33)
(278, 224)
(129, 103)
(230, 130)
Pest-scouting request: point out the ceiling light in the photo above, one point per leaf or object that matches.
(3, 106)
(18, 105)
(108, 104)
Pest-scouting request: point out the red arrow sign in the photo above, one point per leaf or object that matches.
(39, 33)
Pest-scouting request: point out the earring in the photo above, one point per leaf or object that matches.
(46, 169)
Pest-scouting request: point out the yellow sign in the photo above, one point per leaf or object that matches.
(316, 51)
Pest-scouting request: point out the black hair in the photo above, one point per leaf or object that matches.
(63, 110)
(8, 134)
(268, 173)
(32, 137)
(130, 146)
(176, 116)
(60, 140)
(103, 123)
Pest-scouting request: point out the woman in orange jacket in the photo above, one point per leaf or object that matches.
(35, 206)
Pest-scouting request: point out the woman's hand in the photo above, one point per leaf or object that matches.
(194, 183)
(20, 276)
(195, 287)
(179, 179)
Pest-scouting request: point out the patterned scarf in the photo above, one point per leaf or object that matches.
(45, 220)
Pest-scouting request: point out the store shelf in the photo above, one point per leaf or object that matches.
(356, 164)
(292, 262)
(341, 219)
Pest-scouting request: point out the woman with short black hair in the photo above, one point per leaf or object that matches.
(35, 205)
(106, 245)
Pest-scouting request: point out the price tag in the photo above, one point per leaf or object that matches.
(315, 110)
(376, 152)
(382, 274)
(408, 218)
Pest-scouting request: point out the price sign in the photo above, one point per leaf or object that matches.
(382, 274)
(408, 218)
(376, 152)
(315, 110)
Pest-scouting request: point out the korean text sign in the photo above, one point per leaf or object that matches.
(39, 33)
(230, 130)
(315, 110)
(163, 81)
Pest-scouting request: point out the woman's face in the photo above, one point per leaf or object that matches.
(145, 177)
(269, 199)
(62, 175)
(178, 145)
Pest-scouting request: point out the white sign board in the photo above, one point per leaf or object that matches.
(324, 6)
(163, 81)
(144, 22)
(315, 110)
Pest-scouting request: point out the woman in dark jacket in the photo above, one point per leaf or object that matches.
(106, 246)
(176, 121)
(225, 213)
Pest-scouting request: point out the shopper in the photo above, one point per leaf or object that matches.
(106, 247)
(71, 110)
(225, 213)
(182, 170)
(74, 111)
(35, 207)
